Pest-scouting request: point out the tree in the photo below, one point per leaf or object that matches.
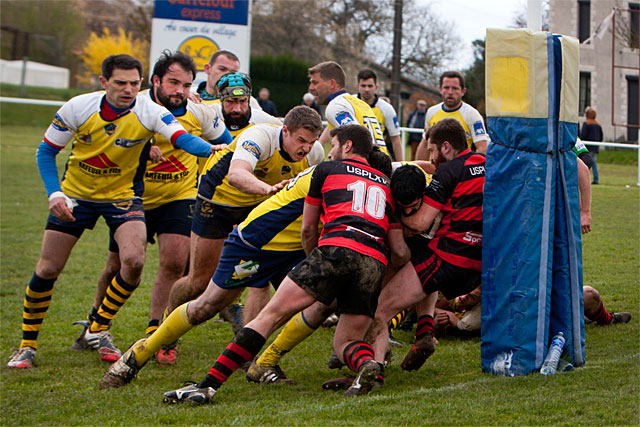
(474, 78)
(98, 47)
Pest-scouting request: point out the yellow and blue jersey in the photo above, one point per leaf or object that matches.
(469, 118)
(176, 177)
(109, 148)
(261, 147)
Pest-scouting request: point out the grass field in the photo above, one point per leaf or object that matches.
(450, 389)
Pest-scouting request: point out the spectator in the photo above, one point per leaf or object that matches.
(416, 120)
(592, 131)
(265, 103)
(310, 101)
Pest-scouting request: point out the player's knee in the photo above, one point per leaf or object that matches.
(48, 270)
(591, 299)
(133, 263)
(201, 311)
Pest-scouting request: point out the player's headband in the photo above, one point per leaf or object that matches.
(234, 85)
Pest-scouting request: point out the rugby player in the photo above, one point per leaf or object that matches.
(452, 89)
(258, 163)
(110, 131)
(385, 113)
(262, 249)
(326, 82)
(347, 262)
(451, 261)
(169, 190)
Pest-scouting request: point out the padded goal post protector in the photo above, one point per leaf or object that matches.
(532, 249)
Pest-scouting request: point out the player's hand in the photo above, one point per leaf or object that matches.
(194, 97)
(218, 147)
(155, 155)
(279, 186)
(585, 222)
(61, 206)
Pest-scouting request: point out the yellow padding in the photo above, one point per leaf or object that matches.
(569, 89)
(509, 84)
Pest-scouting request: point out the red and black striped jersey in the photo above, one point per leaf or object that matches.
(457, 190)
(357, 207)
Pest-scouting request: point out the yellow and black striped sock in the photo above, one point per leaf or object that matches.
(152, 326)
(37, 299)
(396, 320)
(117, 294)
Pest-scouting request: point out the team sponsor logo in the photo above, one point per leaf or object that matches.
(168, 119)
(344, 118)
(59, 124)
(170, 170)
(260, 173)
(252, 148)
(126, 143)
(474, 238)
(110, 128)
(476, 170)
(245, 269)
(216, 122)
(478, 129)
(395, 121)
(200, 48)
(99, 165)
(285, 169)
(85, 138)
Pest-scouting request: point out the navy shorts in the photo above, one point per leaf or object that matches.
(213, 221)
(436, 274)
(243, 266)
(173, 217)
(331, 272)
(87, 213)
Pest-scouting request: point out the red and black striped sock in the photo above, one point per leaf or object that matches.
(244, 347)
(424, 326)
(356, 353)
(601, 316)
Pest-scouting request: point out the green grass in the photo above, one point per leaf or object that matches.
(618, 156)
(450, 389)
(40, 92)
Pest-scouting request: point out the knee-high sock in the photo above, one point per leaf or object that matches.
(243, 348)
(601, 316)
(172, 328)
(294, 332)
(424, 326)
(117, 294)
(152, 326)
(37, 299)
(356, 353)
(396, 320)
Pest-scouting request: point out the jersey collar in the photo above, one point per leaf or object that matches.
(283, 153)
(204, 95)
(375, 100)
(177, 112)
(110, 113)
(446, 110)
(467, 151)
(335, 95)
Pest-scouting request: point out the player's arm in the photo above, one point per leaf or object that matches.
(584, 186)
(422, 153)
(325, 136)
(59, 204)
(420, 222)
(481, 146)
(241, 176)
(396, 143)
(399, 251)
(309, 231)
(212, 125)
(426, 166)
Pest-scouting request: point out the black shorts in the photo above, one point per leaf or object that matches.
(331, 272)
(435, 274)
(170, 218)
(213, 221)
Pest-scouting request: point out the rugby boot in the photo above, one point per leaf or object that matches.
(22, 358)
(123, 371)
(267, 375)
(622, 317)
(190, 393)
(80, 343)
(419, 353)
(103, 342)
(233, 315)
(168, 354)
(366, 379)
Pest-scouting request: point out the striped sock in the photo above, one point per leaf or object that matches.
(37, 299)
(601, 316)
(294, 332)
(243, 348)
(152, 326)
(92, 315)
(117, 294)
(425, 326)
(396, 320)
(356, 353)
